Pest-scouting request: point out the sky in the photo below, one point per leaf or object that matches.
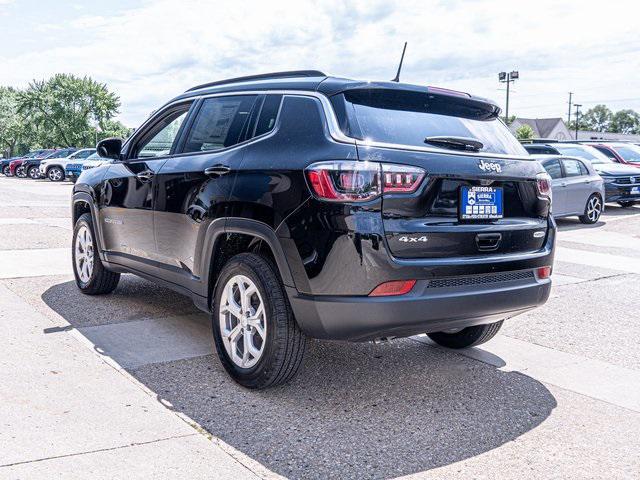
(150, 51)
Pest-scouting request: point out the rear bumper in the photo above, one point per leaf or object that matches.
(429, 307)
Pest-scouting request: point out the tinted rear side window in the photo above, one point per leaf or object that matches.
(220, 123)
(553, 168)
(408, 117)
(268, 114)
(572, 168)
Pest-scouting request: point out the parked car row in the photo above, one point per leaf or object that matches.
(46, 163)
(586, 175)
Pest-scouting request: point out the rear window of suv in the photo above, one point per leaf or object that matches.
(405, 117)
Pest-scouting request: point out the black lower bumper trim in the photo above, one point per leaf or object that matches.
(424, 310)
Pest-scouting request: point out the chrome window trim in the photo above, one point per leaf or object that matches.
(332, 125)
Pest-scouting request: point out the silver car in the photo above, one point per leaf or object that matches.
(577, 188)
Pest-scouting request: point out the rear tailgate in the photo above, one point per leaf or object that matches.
(427, 224)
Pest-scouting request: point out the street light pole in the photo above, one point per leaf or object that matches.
(508, 77)
(569, 115)
(577, 105)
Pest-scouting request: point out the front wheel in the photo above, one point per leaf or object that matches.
(592, 210)
(91, 276)
(6, 171)
(55, 174)
(626, 204)
(33, 173)
(257, 338)
(467, 337)
(20, 172)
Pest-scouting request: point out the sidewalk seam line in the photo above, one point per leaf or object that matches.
(119, 447)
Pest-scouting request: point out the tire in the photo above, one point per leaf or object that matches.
(73, 179)
(20, 173)
(592, 210)
(96, 279)
(626, 204)
(6, 171)
(33, 173)
(280, 354)
(467, 337)
(55, 174)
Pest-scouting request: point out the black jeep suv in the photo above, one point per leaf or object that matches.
(296, 204)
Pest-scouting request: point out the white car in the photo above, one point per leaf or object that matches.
(54, 168)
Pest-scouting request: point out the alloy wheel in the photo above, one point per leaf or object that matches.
(594, 209)
(55, 175)
(33, 173)
(84, 254)
(243, 323)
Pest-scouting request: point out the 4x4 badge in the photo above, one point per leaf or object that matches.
(489, 166)
(404, 238)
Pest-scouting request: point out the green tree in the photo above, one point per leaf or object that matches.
(16, 134)
(66, 109)
(524, 132)
(114, 128)
(596, 119)
(625, 121)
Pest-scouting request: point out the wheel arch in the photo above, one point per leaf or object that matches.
(239, 235)
(83, 202)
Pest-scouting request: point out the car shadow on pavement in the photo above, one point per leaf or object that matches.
(354, 410)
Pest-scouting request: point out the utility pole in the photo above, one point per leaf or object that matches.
(569, 115)
(508, 77)
(577, 105)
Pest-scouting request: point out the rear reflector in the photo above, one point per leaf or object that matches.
(543, 272)
(398, 287)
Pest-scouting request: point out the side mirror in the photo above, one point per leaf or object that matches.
(109, 148)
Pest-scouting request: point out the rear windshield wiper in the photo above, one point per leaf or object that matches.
(456, 143)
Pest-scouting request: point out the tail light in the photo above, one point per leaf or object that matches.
(353, 181)
(543, 182)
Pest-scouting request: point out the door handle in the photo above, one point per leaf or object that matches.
(217, 170)
(146, 175)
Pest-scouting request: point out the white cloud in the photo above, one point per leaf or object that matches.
(150, 53)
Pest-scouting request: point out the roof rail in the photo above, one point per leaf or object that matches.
(262, 76)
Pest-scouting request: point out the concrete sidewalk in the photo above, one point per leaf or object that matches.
(66, 413)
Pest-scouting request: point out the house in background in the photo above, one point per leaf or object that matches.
(607, 136)
(554, 128)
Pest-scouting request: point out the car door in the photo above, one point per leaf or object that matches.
(127, 189)
(578, 185)
(194, 185)
(558, 186)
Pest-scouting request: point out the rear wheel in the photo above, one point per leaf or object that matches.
(626, 204)
(6, 171)
(20, 173)
(33, 172)
(257, 338)
(55, 174)
(467, 337)
(91, 276)
(592, 210)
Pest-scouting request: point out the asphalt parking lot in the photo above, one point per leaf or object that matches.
(127, 386)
